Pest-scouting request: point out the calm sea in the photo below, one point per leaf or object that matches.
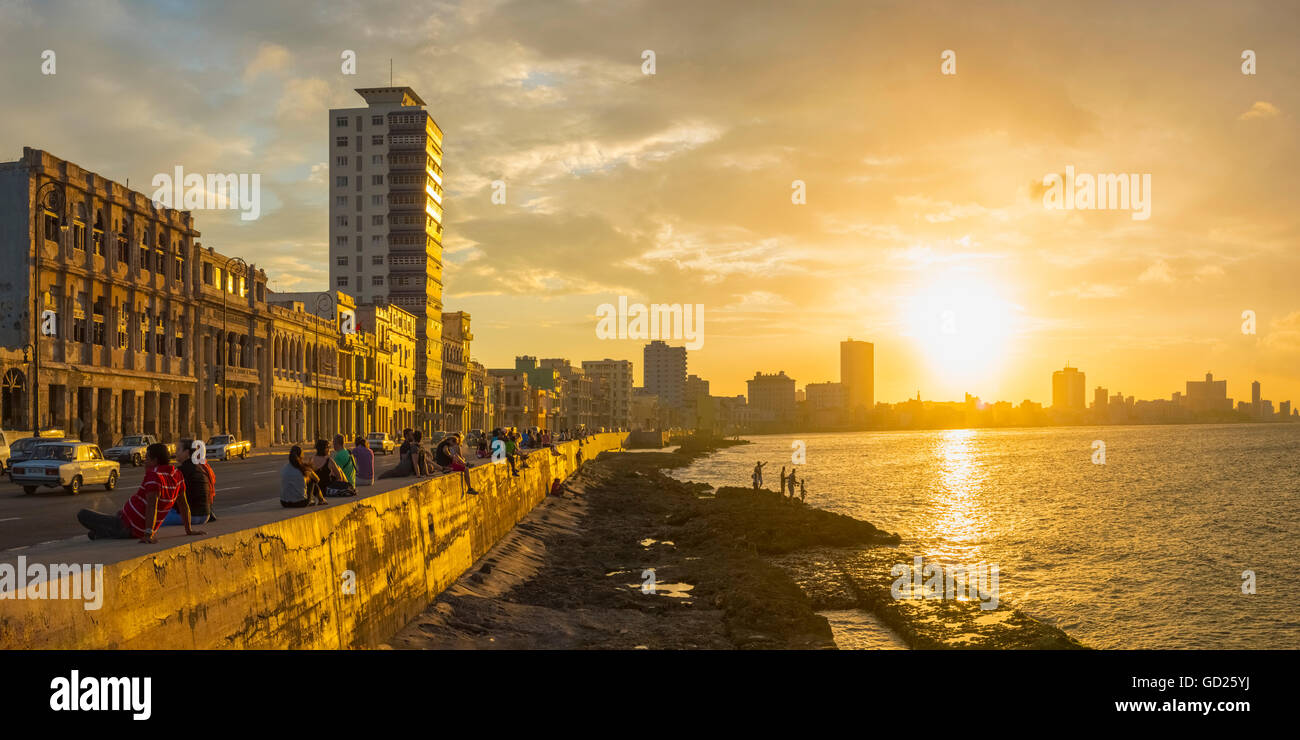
(1145, 551)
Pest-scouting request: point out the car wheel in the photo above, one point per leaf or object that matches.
(243, 455)
(135, 459)
(74, 487)
(112, 481)
(29, 490)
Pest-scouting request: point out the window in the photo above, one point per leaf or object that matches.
(160, 337)
(341, 181)
(99, 336)
(376, 179)
(378, 259)
(180, 268)
(377, 159)
(377, 140)
(341, 282)
(377, 220)
(343, 220)
(341, 261)
(341, 121)
(377, 120)
(376, 200)
(340, 200)
(377, 280)
(341, 141)
(144, 257)
(207, 273)
(340, 241)
(341, 161)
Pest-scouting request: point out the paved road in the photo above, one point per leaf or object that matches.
(50, 513)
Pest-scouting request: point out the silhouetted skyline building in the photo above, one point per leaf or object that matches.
(1068, 389)
(858, 373)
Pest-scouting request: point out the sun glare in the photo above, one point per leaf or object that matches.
(963, 325)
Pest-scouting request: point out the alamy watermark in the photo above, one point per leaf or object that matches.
(39, 582)
(931, 581)
(675, 321)
(191, 192)
(1100, 192)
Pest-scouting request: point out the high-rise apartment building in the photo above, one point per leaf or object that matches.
(386, 191)
(665, 373)
(858, 373)
(1069, 389)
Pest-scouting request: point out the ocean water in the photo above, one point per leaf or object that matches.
(1147, 550)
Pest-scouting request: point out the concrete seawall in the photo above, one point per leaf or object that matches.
(286, 583)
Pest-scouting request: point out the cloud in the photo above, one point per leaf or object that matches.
(1260, 109)
(1158, 272)
(269, 58)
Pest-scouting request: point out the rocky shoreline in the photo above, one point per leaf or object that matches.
(629, 558)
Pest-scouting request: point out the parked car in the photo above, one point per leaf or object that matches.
(380, 442)
(225, 446)
(22, 449)
(131, 448)
(68, 464)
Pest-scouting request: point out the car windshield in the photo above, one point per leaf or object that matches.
(379, 435)
(53, 452)
(218, 440)
(23, 445)
(131, 442)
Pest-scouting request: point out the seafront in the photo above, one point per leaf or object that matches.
(732, 568)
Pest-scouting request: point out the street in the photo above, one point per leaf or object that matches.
(50, 513)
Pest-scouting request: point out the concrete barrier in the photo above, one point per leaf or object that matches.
(348, 575)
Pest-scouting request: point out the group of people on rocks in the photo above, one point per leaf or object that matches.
(183, 493)
(787, 482)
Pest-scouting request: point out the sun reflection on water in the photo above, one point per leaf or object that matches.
(958, 521)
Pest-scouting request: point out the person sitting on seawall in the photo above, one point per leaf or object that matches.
(198, 488)
(447, 454)
(501, 441)
(346, 483)
(327, 471)
(162, 488)
(423, 461)
(298, 483)
(483, 450)
(365, 460)
(405, 466)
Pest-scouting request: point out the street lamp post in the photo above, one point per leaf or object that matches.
(53, 198)
(221, 366)
(322, 300)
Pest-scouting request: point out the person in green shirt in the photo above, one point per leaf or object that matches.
(343, 459)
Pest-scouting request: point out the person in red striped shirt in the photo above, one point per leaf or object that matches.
(163, 487)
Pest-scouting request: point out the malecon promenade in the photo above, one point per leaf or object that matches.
(347, 575)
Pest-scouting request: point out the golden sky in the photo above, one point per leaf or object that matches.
(924, 228)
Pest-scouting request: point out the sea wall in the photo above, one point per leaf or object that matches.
(349, 575)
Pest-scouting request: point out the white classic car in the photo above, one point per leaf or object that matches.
(225, 446)
(68, 464)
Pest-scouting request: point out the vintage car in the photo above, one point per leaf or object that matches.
(379, 442)
(225, 446)
(67, 464)
(132, 447)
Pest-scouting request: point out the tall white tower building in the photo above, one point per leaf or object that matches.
(386, 220)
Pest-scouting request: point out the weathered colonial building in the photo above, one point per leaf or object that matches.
(456, 339)
(140, 329)
(133, 315)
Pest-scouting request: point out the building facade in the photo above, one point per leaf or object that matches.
(386, 193)
(611, 392)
